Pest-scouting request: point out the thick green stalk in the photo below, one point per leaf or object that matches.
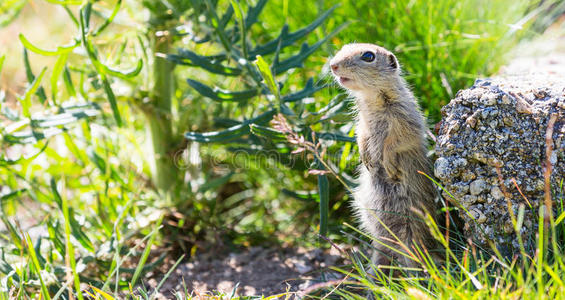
(160, 117)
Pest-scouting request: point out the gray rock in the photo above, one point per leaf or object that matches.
(478, 186)
(492, 135)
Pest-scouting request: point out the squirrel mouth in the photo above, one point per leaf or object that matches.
(343, 80)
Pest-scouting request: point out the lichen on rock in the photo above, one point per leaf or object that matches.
(492, 146)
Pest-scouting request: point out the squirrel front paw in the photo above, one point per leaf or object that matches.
(391, 168)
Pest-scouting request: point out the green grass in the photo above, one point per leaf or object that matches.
(84, 207)
(468, 273)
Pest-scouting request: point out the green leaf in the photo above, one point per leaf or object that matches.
(26, 100)
(335, 137)
(30, 77)
(189, 58)
(218, 25)
(21, 159)
(337, 113)
(215, 183)
(66, 117)
(16, 238)
(72, 16)
(109, 19)
(288, 39)
(230, 133)
(253, 13)
(302, 195)
(297, 60)
(243, 31)
(101, 68)
(308, 90)
(103, 167)
(57, 70)
(8, 206)
(69, 83)
(56, 237)
(218, 136)
(9, 10)
(113, 102)
(60, 50)
(127, 74)
(226, 17)
(268, 77)
(268, 133)
(220, 94)
(85, 13)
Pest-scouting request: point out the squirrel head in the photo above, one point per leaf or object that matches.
(364, 68)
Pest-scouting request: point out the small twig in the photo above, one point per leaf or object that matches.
(333, 244)
(548, 167)
(279, 123)
(507, 195)
(334, 173)
(520, 191)
(317, 286)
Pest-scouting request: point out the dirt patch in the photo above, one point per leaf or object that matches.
(255, 272)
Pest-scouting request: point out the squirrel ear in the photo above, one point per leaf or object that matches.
(393, 63)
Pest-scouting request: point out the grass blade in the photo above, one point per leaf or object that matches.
(146, 252)
(69, 248)
(37, 267)
(166, 277)
(324, 192)
(560, 219)
(101, 293)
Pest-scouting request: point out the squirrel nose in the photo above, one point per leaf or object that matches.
(334, 67)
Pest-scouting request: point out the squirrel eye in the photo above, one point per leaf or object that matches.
(368, 56)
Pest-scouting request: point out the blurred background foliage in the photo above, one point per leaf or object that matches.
(211, 121)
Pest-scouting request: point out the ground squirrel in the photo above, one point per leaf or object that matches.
(391, 138)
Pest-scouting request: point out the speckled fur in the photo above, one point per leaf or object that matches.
(391, 139)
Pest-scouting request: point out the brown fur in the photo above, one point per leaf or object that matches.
(391, 139)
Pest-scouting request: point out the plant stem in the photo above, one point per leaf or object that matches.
(160, 118)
